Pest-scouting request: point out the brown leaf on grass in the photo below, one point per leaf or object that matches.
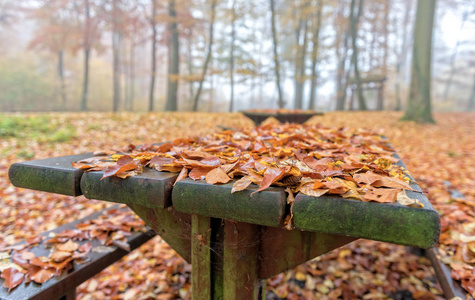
(381, 195)
(69, 246)
(41, 275)
(13, 278)
(183, 174)
(217, 175)
(241, 184)
(271, 175)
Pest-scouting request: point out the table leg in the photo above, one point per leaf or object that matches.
(241, 260)
(224, 259)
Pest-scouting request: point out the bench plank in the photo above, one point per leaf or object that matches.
(54, 175)
(60, 285)
(263, 208)
(151, 188)
(386, 222)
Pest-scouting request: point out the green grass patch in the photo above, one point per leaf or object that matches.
(42, 129)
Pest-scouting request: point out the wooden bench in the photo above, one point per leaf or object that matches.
(64, 286)
(234, 241)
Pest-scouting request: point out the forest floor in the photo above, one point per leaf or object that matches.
(363, 269)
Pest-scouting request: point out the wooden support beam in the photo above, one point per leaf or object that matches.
(241, 260)
(174, 227)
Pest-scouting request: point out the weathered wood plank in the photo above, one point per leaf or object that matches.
(281, 249)
(198, 197)
(201, 280)
(64, 284)
(174, 227)
(54, 175)
(150, 189)
(393, 223)
(241, 260)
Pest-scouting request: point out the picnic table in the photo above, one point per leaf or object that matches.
(235, 241)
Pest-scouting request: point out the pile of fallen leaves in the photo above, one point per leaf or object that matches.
(18, 263)
(360, 270)
(312, 160)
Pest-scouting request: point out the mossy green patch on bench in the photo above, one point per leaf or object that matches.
(393, 223)
(198, 197)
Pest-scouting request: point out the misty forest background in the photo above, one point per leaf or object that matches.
(226, 55)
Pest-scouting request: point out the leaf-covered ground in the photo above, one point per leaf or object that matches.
(364, 269)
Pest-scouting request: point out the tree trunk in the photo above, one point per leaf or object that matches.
(153, 23)
(354, 58)
(132, 75)
(276, 55)
(231, 55)
(316, 33)
(342, 73)
(87, 50)
(471, 100)
(173, 60)
(116, 70)
(190, 64)
(116, 41)
(302, 67)
(419, 104)
(208, 55)
(61, 78)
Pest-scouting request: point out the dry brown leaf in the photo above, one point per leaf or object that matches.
(13, 278)
(217, 175)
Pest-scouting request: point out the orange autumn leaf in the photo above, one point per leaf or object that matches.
(308, 190)
(271, 175)
(392, 182)
(41, 275)
(217, 175)
(13, 278)
(198, 173)
(117, 169)
(60, 256)
(367, 178)
(381, 195)
(241, 184)
(69, 246)
(183, 174)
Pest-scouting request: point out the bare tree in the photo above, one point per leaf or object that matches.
(354, 58)
(208, 55)
(419, 104)
(315, 40)
(153, 24)
(276, 55)
(173, 59)
(231, 54)
(87, 52)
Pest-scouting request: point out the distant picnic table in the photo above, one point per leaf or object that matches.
(235, 241)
